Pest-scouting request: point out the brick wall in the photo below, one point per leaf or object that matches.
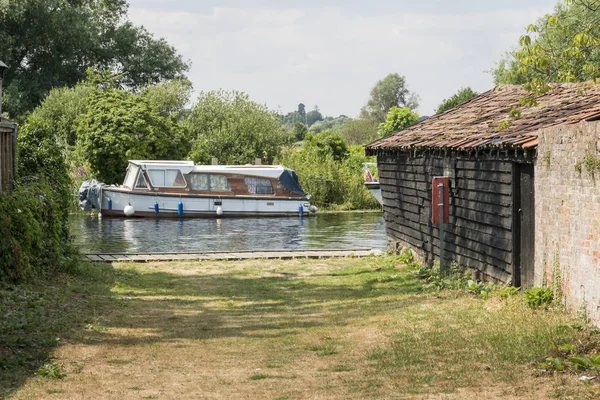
(567, 216)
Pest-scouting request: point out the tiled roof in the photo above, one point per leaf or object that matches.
(480, 122)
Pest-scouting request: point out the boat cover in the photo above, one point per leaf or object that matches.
(289, 180)
(89, 195)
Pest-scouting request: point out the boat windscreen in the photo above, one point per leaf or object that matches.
(289, 180)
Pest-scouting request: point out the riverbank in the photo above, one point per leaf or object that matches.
(294, 329)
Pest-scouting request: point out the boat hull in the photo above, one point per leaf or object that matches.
(115, 200)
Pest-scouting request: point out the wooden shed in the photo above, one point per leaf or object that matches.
(487, 148)
(8, 143)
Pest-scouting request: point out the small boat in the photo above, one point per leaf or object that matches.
(371, 183)
(183, 189)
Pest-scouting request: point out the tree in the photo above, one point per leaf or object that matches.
(397, 120)
(119, 126)
(328, 143)
(231, 127)
(169, 98)
(561, 47)
(300, 131)
(302, 112)
(359, 131)
(460, 97)
(387, 93)
(313, 116)
(51, 43)
(330, 123)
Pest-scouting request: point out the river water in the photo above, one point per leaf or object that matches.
(323, 231)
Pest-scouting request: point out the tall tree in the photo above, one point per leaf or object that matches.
(231, 127)
(456, 99)
(389, 92)
(398, 119)
(313, 116)
(51, 43)
(119, 126)
(561, 47)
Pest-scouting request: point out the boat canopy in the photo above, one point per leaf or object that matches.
(286, 176)
(289, 179)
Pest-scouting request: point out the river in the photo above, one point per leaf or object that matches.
(323, 231)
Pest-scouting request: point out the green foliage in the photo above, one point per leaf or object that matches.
(331, 124)
(508, 291)
(560, 47)
(35, 233)
(300, 131)
(463, 95)
(397, 120)
(234, 129)
(328, 143)
(119, 126)
(313, 116)
(330, 172)
(359, 131)
(169, 98)
(51, 370)
(538, 297)
(389, 92)
(50, 43)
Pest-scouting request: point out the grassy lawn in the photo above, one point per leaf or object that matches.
(301, 329)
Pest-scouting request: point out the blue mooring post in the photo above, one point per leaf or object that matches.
(156, 208)
(301, 210)
(180, 208)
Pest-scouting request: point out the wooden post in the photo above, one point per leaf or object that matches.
(443, 266)
(258, 161)
(215, 161)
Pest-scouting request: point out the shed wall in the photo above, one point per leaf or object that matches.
(479, 234)
(567, 213)
(7, 162)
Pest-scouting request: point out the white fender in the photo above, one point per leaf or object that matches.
(129, 210)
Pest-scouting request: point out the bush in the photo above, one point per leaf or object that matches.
(34, 231)
(539, 297)
(331, 172)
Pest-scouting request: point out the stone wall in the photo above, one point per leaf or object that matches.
(567, 220)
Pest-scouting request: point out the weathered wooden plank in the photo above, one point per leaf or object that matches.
(484, 165)
(94, 258)
(483, 186)
(501, 177)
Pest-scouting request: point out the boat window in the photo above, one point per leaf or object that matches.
(157, 177)
(209, 182)
(174, 178)
(166, 178)
(258, 185)
(199, 182)
(132, 171)
(141, 182)
(219, 183)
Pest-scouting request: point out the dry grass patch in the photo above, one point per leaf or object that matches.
(298, 329)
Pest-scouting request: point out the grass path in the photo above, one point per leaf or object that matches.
(298, 329)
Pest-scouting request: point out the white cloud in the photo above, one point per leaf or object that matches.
(330, 57)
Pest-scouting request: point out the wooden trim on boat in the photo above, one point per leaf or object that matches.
(199, 214)
(197, 195)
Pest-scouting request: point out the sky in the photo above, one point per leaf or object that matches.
(330, 53)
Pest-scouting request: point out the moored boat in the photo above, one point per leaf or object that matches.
(182, 189)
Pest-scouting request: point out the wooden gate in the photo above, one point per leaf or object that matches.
(8, 137)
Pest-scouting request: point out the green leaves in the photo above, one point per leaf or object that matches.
(463, 95)
(397, 120)
(231, 127)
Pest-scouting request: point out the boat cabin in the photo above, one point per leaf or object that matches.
(224, 180)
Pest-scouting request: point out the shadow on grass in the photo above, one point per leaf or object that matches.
(161, 307)
(169, 306)
(38, 316)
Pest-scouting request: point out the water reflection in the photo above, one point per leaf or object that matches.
(143, 235)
